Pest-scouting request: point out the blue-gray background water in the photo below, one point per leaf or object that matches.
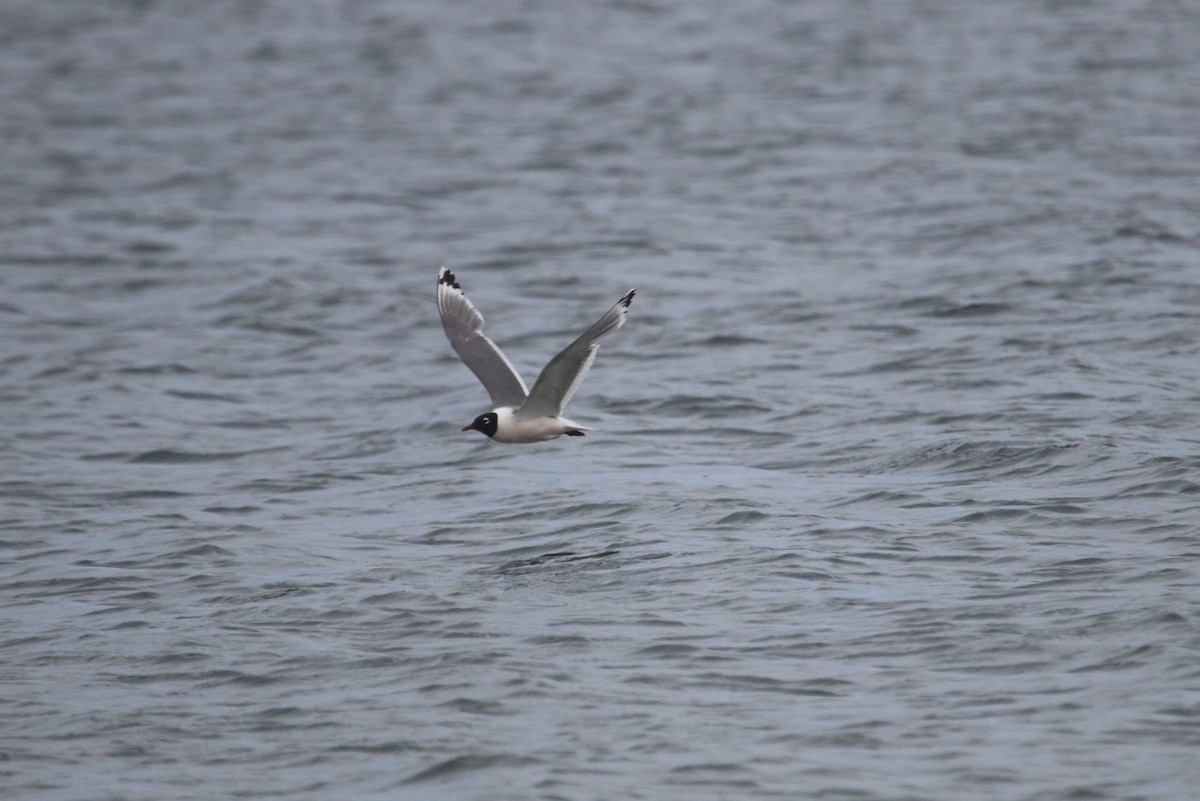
(893, 490)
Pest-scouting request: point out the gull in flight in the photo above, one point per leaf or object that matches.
(518, 414)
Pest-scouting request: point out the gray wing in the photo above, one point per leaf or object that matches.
(561, 377)
(463, 325)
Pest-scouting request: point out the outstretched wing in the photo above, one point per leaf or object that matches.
(561, 377)
(463, 325)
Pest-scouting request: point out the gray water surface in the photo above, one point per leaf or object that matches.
(893, 488)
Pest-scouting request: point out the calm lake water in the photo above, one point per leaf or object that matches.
(893, 487)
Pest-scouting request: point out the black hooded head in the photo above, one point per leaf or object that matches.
(485, 423)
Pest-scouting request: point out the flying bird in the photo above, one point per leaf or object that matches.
(518, 414)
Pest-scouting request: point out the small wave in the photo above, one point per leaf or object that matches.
(171, 456)
(203, 396)
(709, 406)
(742, 518)
(985, 456)
(468, 763)
(558, 557)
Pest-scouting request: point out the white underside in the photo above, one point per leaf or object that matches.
(512, 427)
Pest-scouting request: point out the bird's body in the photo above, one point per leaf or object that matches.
(513, 427)
(521, 415)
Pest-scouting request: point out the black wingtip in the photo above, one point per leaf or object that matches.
(446, 277)
(625, 301)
